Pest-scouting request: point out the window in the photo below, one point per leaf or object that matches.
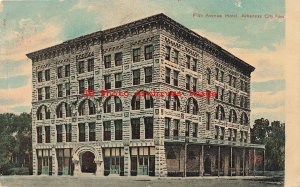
(242, 136)
(195, 129)
(242, 101)
(234, 98)
(207, 120)
(47, 112)
(40, 76)
(91, 84)
(67, 70)
(149, 52)
(118, 104)
(107, 105)
(148, 74)
(230, 135)
(217, 74)
(234, 134)
(148, 121)
(118, 59)
(107, 131)
(81, 86)
(246, 87)
(234, 82)
(194, 65)
(39, 113)
(68, 110)
(167, 127)
(135, 103)
(39, 135)
(47, 92)
(208, 98)
(167, 101)
(176, 56)
(58, 133)
(47, 74)
(208, 75)
(222, 135)
(136, 77)
(40, 96)
(136, 55)
(107, 81)
(90, 64)
(59, 72)
(222, 76)
(47, 133)
(168, 52)
(222, 94)
(107, 61)
(187, 128)
(81, 67)
(230, 97)
(118, 130)
(59, 111)
(194, 84)
(81, 109)
(187, 82)
(59, 90)
(118, 80)
(148, 101)
(232, 116)
(176, 103)
(135, 128)
(220, 114)
(68, 128)
(188, 62)
(92, 132)
(168, 75)
(176, 127)
(68, 89)
(230, 80)
(217, 132)
(246, 102)
(176, 75)
(244, 119)
(81, 127)
(92, 109)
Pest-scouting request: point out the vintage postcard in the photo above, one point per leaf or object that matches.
(148, 93)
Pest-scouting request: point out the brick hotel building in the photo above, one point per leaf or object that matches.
(128, 136)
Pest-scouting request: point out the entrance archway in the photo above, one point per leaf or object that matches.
(88, 164)
(207, 166)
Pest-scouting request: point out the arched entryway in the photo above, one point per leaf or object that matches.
(88, 164)
(207, 166)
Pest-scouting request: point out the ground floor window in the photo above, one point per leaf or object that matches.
(64, 161)
(142, 161)
(44, 161)
(114, 161)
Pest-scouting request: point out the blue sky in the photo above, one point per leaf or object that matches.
(26, 26)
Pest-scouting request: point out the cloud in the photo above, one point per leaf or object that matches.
(13, 81)
(272, 85)
(267, 99)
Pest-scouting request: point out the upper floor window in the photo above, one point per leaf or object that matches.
(148, 74)
(208, 76)
(167, 127)
(192, 104)
(40, 76)
(118, 59)
(136, 55)
(39, 133)
(176, 75)
(81, 108)
(107, 61)
(90, 64)
(40, 94)
(230, 80)
(187, 82)
(207, 120)
(149, 52)
(47, 92)
(244, 119)
(176, 56)
(81, 128)
(68, 128)
(118, 80)
(81, 86)
(148, 122)
(107, 105)
(118, 130)
(176, 127)
(234, 82)
(217, 74)
(168, 75)
(232, 116)
(92, 132)
(167, 102)
(135, 102)
(47, 74)
(168, 53)
(59, 90)
(92, 108)
(220, 113)
(118, 104)
(222, 76)
(136, 77)
(107, 82)
(148, 101)
(47, 133)
(135, 128)
(91, 84)
(188, 62)
(176, 103)
(59, 133)
(194, 65)
(187, 128)
(67, 70)
(195, 130)
(107, 130)
(81, 67)
(59, 72)
(194, 84)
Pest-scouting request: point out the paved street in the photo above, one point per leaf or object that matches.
(90, 181)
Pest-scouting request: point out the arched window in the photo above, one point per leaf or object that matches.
(118, 104)
(42, 112)
(244, 119)
(192, 103)
(208, 76)
(81, 108)
(148, 101)
(176, 103)
(220, 113)
(92, 108)
(59, 111)
(39, 113)
(107, 105)
(232, 116)
(68, 110)
(135, 102)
